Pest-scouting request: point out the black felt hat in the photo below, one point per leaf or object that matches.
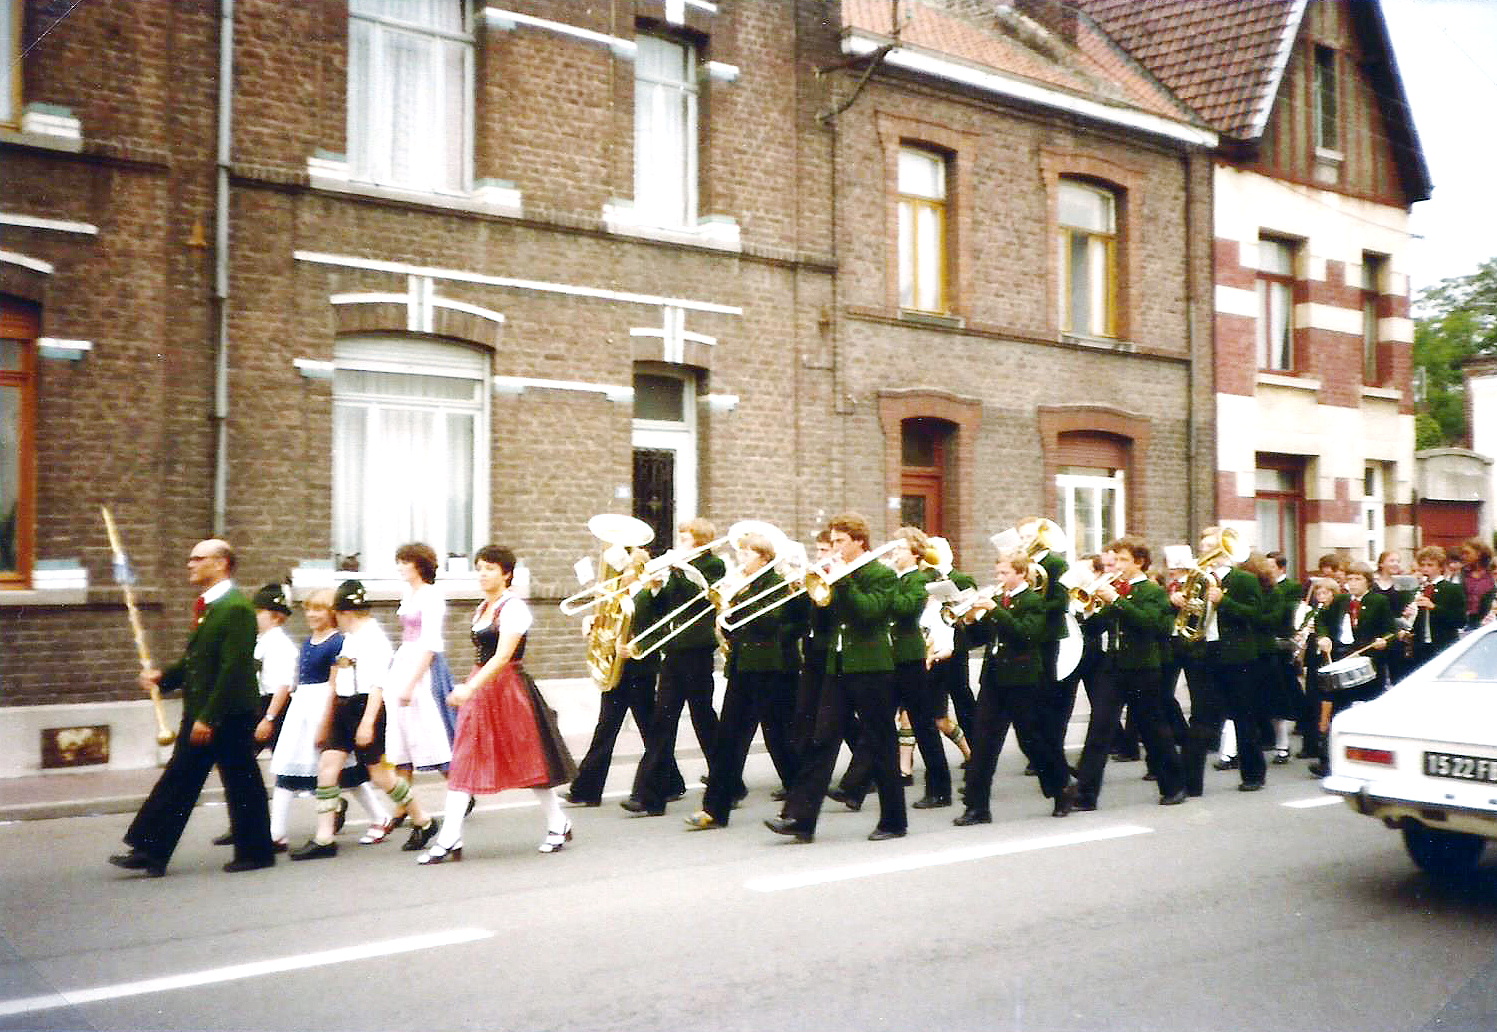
(273, 598)
(349, 596)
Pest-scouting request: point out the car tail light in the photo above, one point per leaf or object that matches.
(1361, 754)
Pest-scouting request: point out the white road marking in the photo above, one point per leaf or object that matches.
(915, 861)
(388, 947)
(1305, 804)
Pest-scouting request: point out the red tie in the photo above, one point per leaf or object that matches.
(198, 608)
(1008, 602)
(1123, 587)
(1356, 610)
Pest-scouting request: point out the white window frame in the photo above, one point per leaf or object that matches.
(412, 356)
(1275, 289)
(1373, 267)
(1076, 489)
(665, 181)
(1327, 87)
(1374, 530)
(370, 147)
(679, 437)
(1101, 249)
(923, 221)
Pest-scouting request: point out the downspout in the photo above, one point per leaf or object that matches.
(221, 267)
(1191, 444)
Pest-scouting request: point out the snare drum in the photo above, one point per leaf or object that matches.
(1351, 672)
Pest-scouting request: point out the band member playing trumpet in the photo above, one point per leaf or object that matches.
(1012, 627)
(685, 675)
(1135, 616)
(1057, 702)
(860, 664)
(1438, 609)
(756, 674)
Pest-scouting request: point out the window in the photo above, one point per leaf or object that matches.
(1327, 129)
(665, 132)
(922, 230)
(1373, 266)
(1278, 504)
(1275, 304)
(18, 329)
(410, 74)
(410, 419)
(10, 57)
(665, 453)
(1091, 507)
(1088, 260)
(1372, 510)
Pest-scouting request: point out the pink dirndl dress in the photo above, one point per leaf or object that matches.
(506, 735)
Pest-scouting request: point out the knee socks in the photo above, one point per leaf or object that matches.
(280, 812)
(371, 802)
(455, 809)
(550, 801)
(1229, 741)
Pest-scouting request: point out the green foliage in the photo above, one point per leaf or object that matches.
(1458, 320)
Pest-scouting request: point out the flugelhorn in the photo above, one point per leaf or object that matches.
(1195, 614)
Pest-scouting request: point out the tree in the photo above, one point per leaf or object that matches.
(1458, 321)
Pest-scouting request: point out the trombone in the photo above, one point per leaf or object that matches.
(635, 647)
(793, 558)
(618, 534)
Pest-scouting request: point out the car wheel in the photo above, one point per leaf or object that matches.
(1442, 852)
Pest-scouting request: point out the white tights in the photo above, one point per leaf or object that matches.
(456, 809)
(280, 808)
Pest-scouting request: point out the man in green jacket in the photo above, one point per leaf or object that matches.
(220, 707)
(1438, 609)
(859, 672)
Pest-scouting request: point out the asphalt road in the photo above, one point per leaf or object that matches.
(1234, 911)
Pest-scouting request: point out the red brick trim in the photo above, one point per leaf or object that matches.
(1229, 504)
(1055, 420)
(963, 413)
(1230, 272)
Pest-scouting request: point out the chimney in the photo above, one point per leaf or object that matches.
(1057, 16)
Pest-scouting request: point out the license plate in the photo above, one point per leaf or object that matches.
(1460, 768)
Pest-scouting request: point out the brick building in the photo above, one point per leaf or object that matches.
(328, 276)
(1318, 165)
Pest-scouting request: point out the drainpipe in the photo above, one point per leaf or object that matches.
(221, 266)
(1191, 444)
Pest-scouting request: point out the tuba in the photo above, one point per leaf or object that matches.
(1041, 534)
(613, 612)
(1195, 614)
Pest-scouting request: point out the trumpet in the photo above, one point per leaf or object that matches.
(1084, 596)
(819, 582)
(955, 609)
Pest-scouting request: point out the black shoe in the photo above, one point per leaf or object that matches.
(1030, 772)
(226, 839)
(340, 815)
(907, 780)
(577, 801)
(1250, 786)
(1195, 793)
(1126, 757)
(314, 850)
(246, 864)
(852, 802)
(970, 817)
(1083, 805)
(278, 847)
(633, 805)
(1229, 763)
(883, 835)
(786, 826)
(1174, 800)
(1280, 757)
(778, 795)
(472, 802)
(1151, 776)
(931, 802)
(676, 797)
(1320, 770)
(1307, 754)
(421, 837)
(138, 861)
(1066, 801)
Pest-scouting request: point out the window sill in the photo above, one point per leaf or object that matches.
(718, 232)
(41, 141)
(489, 197)
(1382, 393)
(1299, 383)
(946, 322)
(1080, 340)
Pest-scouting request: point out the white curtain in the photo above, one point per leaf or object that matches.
(665, 129)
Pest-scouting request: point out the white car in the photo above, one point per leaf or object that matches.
(1422, 757)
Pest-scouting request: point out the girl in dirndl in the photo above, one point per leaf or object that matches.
(506, 734)
(415, 734)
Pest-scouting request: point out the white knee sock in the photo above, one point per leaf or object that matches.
(1229, 740)
(280, 812)
(550, 802)
(452, 819)
(1281, 734)
(373, 803)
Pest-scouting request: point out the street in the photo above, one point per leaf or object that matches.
(1272, 910)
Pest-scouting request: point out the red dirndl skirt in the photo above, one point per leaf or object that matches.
(507, 737)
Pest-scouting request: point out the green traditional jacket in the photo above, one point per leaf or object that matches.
(1013, 638)
(1057, 597)
(1446, 619)
(758, 646)
(859, 621)
(217, 670)
(1238, 616)
(1374, 619)
(1139, 623)
(1292, 592)
(904, 615)
(677, 589)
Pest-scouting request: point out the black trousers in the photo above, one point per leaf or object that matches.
(635, 693)
(1142, 692)
(158, 826)
(870, 698)
(952, 680)
(1057, 699)
(998, 708)
(916, 693)
(685, 681)
(1221, 690)
(749, 704)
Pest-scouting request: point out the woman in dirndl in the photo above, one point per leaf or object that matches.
(506, 734)
(416, 735)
